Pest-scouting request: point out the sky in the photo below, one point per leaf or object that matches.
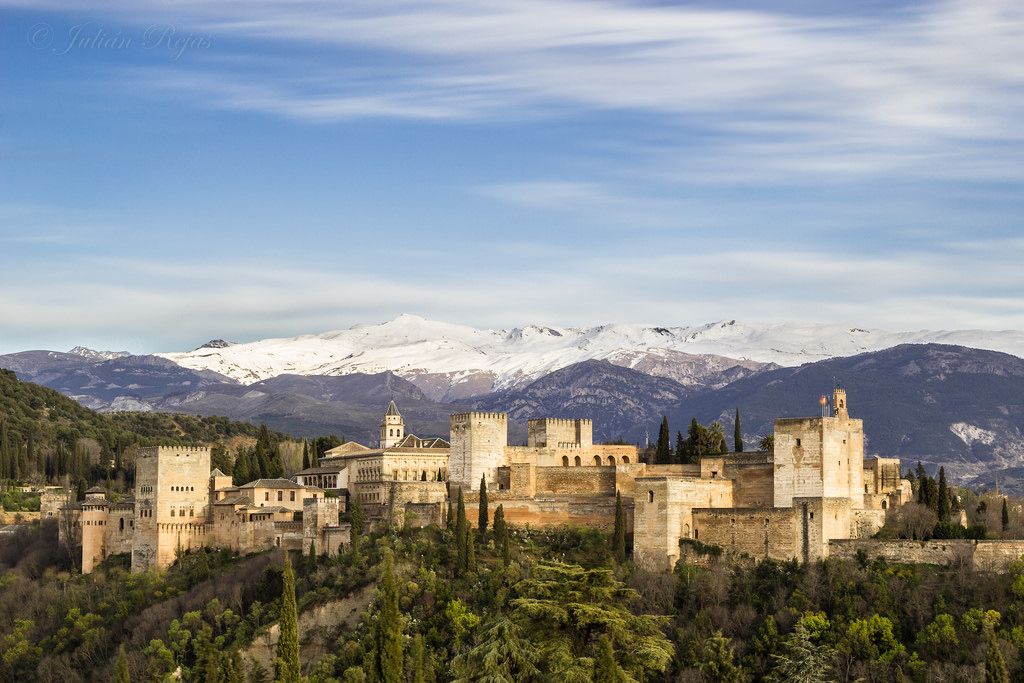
(176, 172)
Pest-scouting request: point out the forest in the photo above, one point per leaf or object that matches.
(501, 604)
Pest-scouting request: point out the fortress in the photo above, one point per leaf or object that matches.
(815, 489)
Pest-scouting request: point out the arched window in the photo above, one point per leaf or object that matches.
(597, 460)
(625, 460)
(650, 496)
(578, 463)
(611, 460)
(121, 525)
(884, 505)
(565, 461)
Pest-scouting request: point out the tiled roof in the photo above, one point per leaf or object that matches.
(392, 409)
(271, 484)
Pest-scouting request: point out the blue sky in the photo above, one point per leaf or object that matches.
(172, 172)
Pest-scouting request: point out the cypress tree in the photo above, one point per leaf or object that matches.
(680, 448)
(461, 534)
(943, 501)
(286, 666)
(695, 442)
(619, 534)
(1005, 517)
(357, 518)
(501, 535)
(419, 655)
(481, 520)
(387, 630)
(241, 469)
(995, 665)
(737, 433)
(121, 674)
(663, 455)
(470, 551)
(305, 455)
(312, 555)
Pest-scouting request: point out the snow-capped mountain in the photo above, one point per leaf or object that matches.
(451, 361)
(92, 354)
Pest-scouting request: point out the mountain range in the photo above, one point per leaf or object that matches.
(954, 405)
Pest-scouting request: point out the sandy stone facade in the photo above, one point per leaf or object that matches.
(179, 504)
(814, 488)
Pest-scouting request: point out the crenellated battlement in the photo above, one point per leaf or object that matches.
(478, 414)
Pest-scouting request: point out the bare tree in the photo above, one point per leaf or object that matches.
(69, 533)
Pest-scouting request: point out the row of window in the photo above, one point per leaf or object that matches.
(280, 495)
(183, 488)
(181, 513)
(597, 460)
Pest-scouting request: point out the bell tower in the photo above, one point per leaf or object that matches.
(392, 427)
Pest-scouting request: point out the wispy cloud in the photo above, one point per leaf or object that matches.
(933, 89)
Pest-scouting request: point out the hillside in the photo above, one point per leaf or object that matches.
(47, 419)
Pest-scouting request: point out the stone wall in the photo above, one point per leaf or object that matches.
(550, 432)
(760, 533)
(663, 514)
(595, 481)
(979, 555)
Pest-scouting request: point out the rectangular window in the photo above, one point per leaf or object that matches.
(280, 496)
(293, 496)
(266, 495)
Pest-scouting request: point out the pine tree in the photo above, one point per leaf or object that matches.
(387, 629)
(606, 669)
(680, 454)
(501, 543)
(287, 668)
(619, 534)
(737, 433)
(995, 665)
(358, 518)
(1005, 517)
(943, 501)
(461, 534)
(481, 520)
(233, 669)
(121, 674)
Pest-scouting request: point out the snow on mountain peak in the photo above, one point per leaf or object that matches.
(92, 354)
(445, 353)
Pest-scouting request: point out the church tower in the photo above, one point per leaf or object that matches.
(839, 404)
(392, 427)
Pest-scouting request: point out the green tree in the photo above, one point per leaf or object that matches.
(995, 665)
(606, 669)
(470, 551)
(619, 533)
(942, 504)
(418, 657)
(481, 520)
(1005, 517)
(286, 666)
(663, 454)
(718, 662)
(462, 535)
(680, 454)
(121, 674)
(501, 655)
(357, 517)
(241, 469)
(803, 658)
(737, 433)
(501, 542)
(387, 626)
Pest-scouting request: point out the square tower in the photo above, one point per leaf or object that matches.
(172, 496)
(551, 432)
(820, 457)
(478, 442)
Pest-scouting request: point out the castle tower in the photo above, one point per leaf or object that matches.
(478, 442)
(392, 427)
(172, 497)
(839, 404)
